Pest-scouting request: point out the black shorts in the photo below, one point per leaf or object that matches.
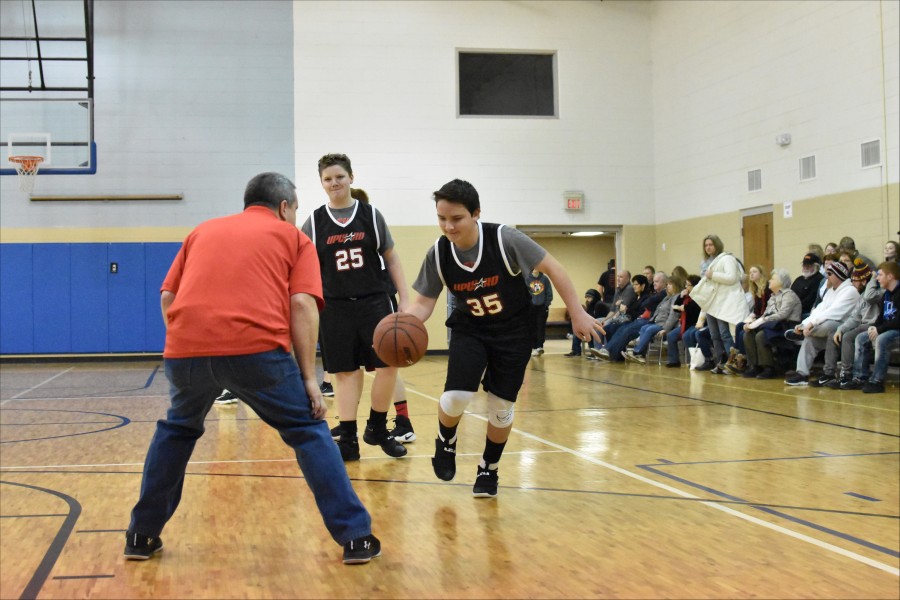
(346, 331)
(500, 353)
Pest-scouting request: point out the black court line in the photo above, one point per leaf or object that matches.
(736, 501)
(746, 460)
(714, 402)
(767, 509)
(33, 588)
(123, 422)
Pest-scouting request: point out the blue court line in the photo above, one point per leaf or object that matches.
(737, 501)
(799, 521)
(861, 497)
(713, 402)
(742, 460)
(152, 375)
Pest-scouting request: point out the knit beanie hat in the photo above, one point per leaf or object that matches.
(839, 270)
(861, 270)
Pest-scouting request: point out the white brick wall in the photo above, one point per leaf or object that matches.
(190, 97)
(730, 76)
(376, 80)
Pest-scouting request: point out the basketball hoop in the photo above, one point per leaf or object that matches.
(27, 168)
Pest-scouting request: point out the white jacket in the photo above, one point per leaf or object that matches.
(728, 304)
(835, 306)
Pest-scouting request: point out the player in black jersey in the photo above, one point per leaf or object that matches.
(481, 266)
(354, 246)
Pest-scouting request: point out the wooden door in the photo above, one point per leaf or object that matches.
(758, 241)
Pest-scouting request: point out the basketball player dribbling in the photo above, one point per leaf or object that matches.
(481, 264)
(354, 246)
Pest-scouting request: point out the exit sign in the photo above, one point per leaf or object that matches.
(574, 200)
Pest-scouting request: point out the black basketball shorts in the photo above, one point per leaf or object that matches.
(500, 353)
(346, 331)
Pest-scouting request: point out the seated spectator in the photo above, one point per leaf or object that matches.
(847, 243)
(816, 249)
(891, 251)
(883, 336)
(759, 291)
(819, 327)
(644, 310)
(698, 336)
(665, 319)
(806, 286)
(825, 284)
(592, 306)
(680, 273)
(830, 248)
(623, 294)
(864, 314)
(688, 312)
(848, 257)
(781, 313)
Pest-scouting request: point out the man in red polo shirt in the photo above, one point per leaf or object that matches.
(241, 292)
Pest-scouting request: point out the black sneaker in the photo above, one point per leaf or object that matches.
(751, 372)
(797, 379)
(853, 384)
(327, 389)
(673, 365)
(836, 383)
(822, 381)
(361, 550)
(444, 461)
(336, 432)
(571, 354)
(766, 373)
(707, 366)
(382, 438)
(873, 387)
(226, 397)
(349, 448)
(141, 547)
(403, 430)
(485, 483)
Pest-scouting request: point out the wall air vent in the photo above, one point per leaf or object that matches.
(870, 154)
(754, 180)
(808, 168)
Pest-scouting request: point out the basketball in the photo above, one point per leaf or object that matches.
(400, 340)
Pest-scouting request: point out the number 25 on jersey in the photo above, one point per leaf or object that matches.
(349, 258)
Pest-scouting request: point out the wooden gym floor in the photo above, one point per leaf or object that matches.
(619, 481)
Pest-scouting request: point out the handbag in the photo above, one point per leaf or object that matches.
(697, 358)
(703, 293)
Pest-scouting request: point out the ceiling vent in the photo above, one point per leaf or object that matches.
(808, 168)
(870, 154)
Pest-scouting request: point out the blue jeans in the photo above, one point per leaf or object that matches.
(673, 358)
(883, 345)
(270, 383)
(720, 333)
(624, 334)
(698, 337)
(646, 336)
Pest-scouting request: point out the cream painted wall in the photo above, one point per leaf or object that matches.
(584, 259)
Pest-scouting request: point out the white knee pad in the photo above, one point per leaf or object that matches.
(454, 402)
(500, 412)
